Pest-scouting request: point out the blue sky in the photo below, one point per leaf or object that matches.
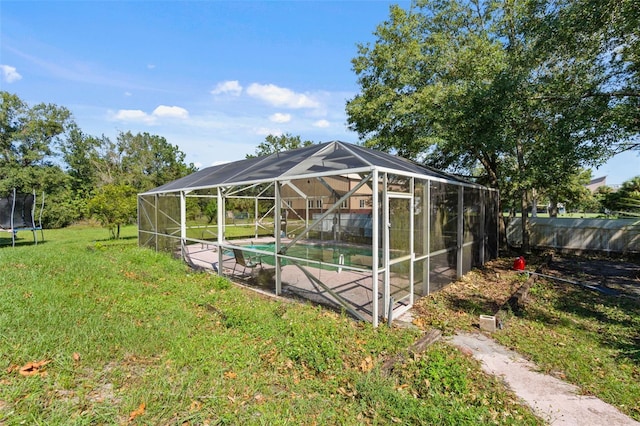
(212, 77)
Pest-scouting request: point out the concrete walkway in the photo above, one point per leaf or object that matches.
(553, 400)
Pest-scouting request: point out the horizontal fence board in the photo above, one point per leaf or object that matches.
(607, 235)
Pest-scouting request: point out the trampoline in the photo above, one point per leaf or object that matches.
(18, 213)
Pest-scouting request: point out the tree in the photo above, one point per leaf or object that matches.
(628, 197)
(27, 139)
(80, 154)
(149, 161)
(114, 206)
(458, 84)
(273, 144)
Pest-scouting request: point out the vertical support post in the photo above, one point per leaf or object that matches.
(255, 217)
(156, 199)
(412, 248)
(33, 220)
(277, 230)
(460, 230)
(306, 212)
(385, 239)
(374, 247)
(13, 227)
(183, 223)
(390, 312)
(220, 201)
(427, 240)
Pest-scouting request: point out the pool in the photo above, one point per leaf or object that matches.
(328, 254)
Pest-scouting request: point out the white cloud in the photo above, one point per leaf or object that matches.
(128, 94)
(281, 97)
(171, 112)
(9, 74)
(231, 87)
(151, 66)
(322, 124)
(162, 111)
(279, 117)
(265, 131)
(133, 115)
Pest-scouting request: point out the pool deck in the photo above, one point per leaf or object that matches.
(336, 287)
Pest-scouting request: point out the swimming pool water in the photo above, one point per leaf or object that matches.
(332, 254)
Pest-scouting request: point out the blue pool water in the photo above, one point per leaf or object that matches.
(334, 254)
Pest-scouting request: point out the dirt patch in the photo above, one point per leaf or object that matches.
(619, 275)
(486, 291)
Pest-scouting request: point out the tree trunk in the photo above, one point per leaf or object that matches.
(525, 223)
(553, 209)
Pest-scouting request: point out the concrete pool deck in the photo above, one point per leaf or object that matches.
(323, 283)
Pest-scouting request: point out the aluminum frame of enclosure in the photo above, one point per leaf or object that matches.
(362, 231)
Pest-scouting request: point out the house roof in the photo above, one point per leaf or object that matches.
(319, 159)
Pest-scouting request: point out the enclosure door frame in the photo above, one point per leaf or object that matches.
(406, 302)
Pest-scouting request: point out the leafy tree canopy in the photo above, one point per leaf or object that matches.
(273, 144)
(526, 89)
(42, 149)
(114, 206)
(27, 139)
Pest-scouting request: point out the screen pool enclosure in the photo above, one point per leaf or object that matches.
(335, 223)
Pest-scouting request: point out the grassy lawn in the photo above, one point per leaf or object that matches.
(102, 332)
(584, 337)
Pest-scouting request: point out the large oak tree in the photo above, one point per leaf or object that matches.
(522, 91)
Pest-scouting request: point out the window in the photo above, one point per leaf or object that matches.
(363, 204)
(319, 203)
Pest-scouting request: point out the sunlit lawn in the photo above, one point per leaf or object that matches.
(102, 332)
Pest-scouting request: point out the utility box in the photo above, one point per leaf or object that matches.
(488, 323)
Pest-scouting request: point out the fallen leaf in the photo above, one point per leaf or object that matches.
(76, 356)
(137, 412)
(230, 375)
(33, 368)
(366, 364)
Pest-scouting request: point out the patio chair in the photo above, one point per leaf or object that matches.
(248, 262)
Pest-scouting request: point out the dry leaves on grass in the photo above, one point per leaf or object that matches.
(137, 412)
(31, 368)
(367, 364)
(230, 375)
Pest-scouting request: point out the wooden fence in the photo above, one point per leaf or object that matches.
(602, 235)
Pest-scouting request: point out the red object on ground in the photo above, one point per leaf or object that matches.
(519, 264)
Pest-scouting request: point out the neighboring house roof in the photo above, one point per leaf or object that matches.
(596, 183)
(325, 158)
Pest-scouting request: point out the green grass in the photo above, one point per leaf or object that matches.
(122, 326)
(583, 337)
(586, 338)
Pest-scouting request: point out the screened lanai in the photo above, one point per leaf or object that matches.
(355, 229)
